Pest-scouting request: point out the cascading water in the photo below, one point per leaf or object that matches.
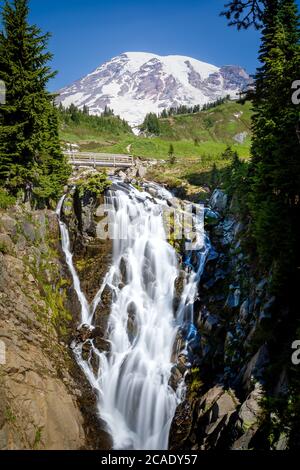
(132, 379)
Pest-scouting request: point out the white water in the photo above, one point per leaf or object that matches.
(132, 380)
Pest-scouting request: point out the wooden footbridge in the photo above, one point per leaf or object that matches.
(94, 160)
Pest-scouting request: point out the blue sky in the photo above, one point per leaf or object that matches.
(87, 33)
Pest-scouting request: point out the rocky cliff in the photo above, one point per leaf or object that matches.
(228, 385)
(39, 406)
(45, 401)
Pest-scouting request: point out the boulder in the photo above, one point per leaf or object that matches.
(251, 409)
(218, 201)
(6, 244)
(8, 224)
(211, 218)
(244, 442)
(141, 172)
(217, 408)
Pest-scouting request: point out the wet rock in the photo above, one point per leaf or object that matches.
(84, 332)
(122, 175)
(211, 218)
(181, 425)
(176, 378)
(218, 201)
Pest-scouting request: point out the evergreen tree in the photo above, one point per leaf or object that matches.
(151, 124)
(214, 176)
(29, 144)
(273, 194)
(275, 148)
(171, 154)
(244, 14)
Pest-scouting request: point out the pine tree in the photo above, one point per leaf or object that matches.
(151, 124)
(214, 176)
(29, 144)
(275, 149)
(171, 154)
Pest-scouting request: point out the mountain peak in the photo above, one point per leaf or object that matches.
(135, 83)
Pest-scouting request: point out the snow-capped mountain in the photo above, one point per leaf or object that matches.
(136, 83)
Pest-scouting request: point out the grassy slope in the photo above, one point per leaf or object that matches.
(213, 130)
(198, 140)
(93, 131)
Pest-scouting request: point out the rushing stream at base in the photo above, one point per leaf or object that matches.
(132, 379)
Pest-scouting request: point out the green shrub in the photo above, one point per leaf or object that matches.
(6, 200)
(95, 184)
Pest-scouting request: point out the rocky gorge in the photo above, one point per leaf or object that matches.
(228, 355)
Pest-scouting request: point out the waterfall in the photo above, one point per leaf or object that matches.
(132, 378)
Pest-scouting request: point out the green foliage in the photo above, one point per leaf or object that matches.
(196, 382)
(218, 123)
(95, 184)
(183, 109)
(172, 158)
(3, 248)
(244, 14)
(10, 417)
(74, 120)
(29, 142)
(37, 437)
(151, 124)
(214, 177)
(6, 200)
(272, 194)
(275, 170)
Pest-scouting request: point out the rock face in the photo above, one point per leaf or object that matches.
(135, 83)
(39, 406)
(232, 357)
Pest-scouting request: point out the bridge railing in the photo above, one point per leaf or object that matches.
(99, 159)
